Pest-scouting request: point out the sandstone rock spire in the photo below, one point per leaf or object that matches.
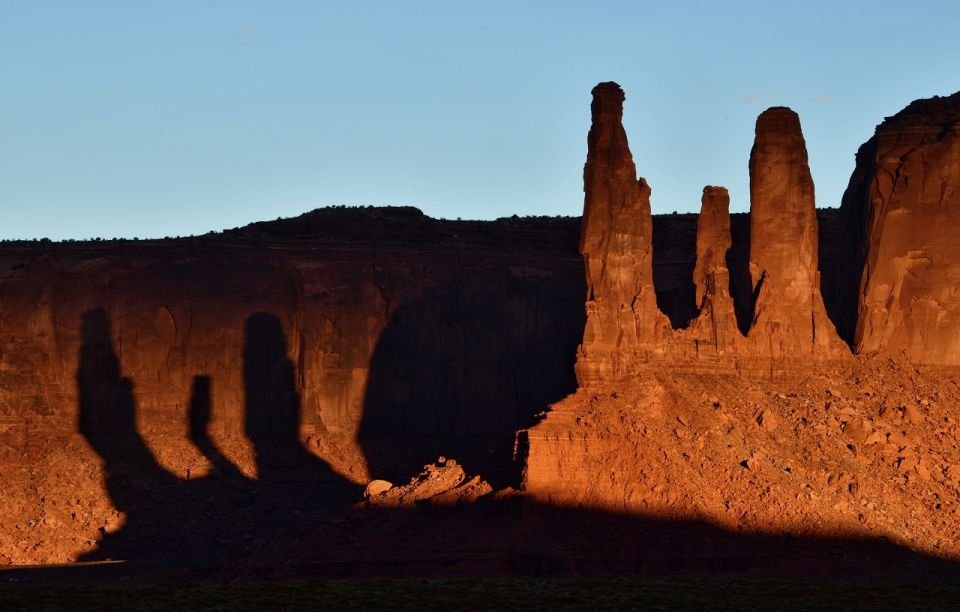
(713, 237)
(616, 244)
(716, 325)
(901, 213)
(789, 318)
(783, 220)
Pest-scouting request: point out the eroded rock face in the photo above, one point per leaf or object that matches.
(902, 212)
(616, 240)
(789, 317)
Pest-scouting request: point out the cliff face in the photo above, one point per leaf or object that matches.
(902, 212)
(376, 339)
(434, 351)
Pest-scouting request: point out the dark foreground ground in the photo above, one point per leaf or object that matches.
(513, 594)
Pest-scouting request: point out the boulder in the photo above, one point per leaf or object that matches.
(376, 487)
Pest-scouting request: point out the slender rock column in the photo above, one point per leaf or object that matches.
(716, 324)
(713, 238)
(789, 317)
(616, 244)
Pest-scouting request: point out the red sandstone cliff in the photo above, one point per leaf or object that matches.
(368, 330)
(194, 369)
(902, 214)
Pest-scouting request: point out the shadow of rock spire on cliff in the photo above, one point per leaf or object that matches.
(199, 520)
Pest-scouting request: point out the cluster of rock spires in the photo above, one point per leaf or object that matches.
(758, 414)
(897, 289)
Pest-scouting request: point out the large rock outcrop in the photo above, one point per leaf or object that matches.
(901, 211)
(790, 321)
(616, 242)
(698, 430)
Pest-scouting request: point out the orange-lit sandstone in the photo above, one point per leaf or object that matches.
(776, 426)
(255, 396)
(902, 212)
(616, 241)
(790, 322)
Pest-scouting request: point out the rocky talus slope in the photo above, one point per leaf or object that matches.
(870, 449)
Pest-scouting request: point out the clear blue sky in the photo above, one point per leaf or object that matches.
(149, 118)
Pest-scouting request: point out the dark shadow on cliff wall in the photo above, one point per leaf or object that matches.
(674, 258)
(171, 516)
(738, 263)
(459, 369)
(201, 401)
(850, 244)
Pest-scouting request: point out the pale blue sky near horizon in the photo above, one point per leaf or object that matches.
(134, 118)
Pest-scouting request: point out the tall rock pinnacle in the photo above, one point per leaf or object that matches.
(616, 244)
(716, 324)
(789, 317)
(783, 219)
(713, 237)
